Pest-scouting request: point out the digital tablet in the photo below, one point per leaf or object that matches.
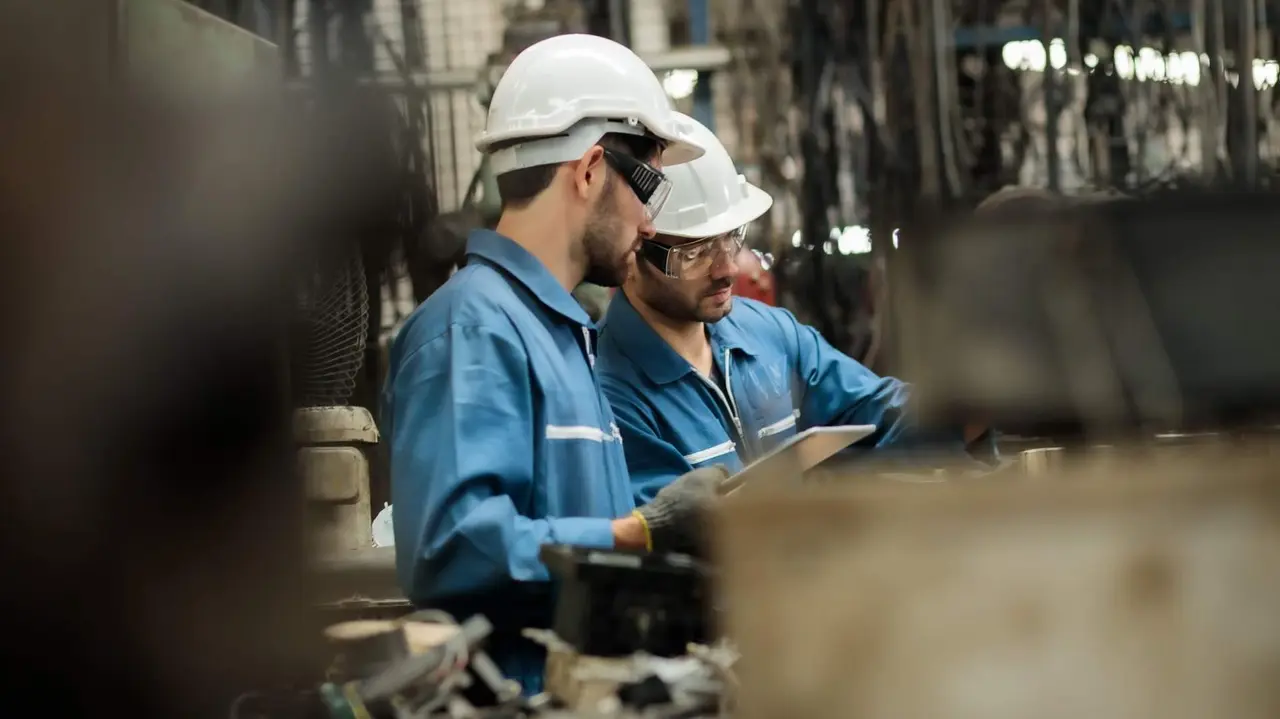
(799, 454)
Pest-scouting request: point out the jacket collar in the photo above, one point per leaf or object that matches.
(528, 270)
(624, 326)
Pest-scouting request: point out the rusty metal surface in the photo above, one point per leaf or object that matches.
(1130, 589)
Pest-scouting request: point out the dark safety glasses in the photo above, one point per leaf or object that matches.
(650, 185)
(693, 260)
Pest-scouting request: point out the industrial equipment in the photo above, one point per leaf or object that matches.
(614, 603)
(1135, 584)
(1109, 318)
(433, 682)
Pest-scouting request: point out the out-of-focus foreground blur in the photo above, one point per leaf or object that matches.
(216, 215)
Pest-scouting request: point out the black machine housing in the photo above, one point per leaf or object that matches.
(615, 603)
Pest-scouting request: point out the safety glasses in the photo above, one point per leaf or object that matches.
(693, 260)
(650, 185)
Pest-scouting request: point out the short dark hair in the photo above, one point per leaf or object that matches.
(517, 188)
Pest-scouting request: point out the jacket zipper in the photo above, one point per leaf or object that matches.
(586, 345)
(728, 404)
(612, 429)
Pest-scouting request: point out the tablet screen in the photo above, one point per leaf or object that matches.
(799, 454)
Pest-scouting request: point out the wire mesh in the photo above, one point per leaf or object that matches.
(334, 326)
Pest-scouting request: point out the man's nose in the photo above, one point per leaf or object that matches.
(647, 229)
(725, 265)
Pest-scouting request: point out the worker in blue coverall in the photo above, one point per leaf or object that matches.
(501, 437)
(696, 377)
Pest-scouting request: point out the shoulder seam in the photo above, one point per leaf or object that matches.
(457, 325)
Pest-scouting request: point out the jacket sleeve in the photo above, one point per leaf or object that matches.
(652, 462)
(836, 389)
(461, 445)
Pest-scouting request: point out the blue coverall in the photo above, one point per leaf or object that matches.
(781, 377)
(501, 441)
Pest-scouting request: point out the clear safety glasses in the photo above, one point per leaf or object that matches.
(650, 185)
(693, 260)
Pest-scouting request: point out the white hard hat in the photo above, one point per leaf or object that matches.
(566, 92)
(708, 196)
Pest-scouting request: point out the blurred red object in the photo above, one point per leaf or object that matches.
(754, 281)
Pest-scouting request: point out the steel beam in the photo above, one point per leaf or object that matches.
(703, 58)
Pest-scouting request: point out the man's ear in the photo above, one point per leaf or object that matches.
(588, 172)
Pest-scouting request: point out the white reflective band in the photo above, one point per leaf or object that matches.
(594, 434)
(591, 352)
(710, 453)
(783, 424)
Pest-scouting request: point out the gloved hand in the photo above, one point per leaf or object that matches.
(673, 518)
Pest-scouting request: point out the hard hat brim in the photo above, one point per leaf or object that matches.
(680, 150)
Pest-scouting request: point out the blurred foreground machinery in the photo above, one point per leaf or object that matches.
(1131, 586)
(425, 666)
(1130, 572)
(1102, 321)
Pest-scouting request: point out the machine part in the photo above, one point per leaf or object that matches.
(358, 578)
(342, 702)
(403, 675)
(1118, 321)
(416, 685)
(894, 601)
(647, 692)
(334, 425)
(337, 476)
(698, 682)
(366, 647)
(501, 689)
(618, 603)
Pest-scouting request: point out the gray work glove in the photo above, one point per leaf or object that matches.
(674, 516)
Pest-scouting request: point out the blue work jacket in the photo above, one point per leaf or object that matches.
(501, 441)
(780, 377)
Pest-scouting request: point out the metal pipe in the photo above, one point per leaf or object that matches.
(1248, 152)
(1052, 104)
(619, 25)
(940, 22)
(1218, 68)
(1208, 103)
(919, 44)
(700, 35)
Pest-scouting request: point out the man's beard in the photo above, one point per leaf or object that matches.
(720, 311)
(681, 309)
(606, 266)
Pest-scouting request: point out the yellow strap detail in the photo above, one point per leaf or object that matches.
(648, 537)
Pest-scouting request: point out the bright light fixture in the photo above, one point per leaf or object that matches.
(850, 240)
(679, 84)
(1144, 64)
